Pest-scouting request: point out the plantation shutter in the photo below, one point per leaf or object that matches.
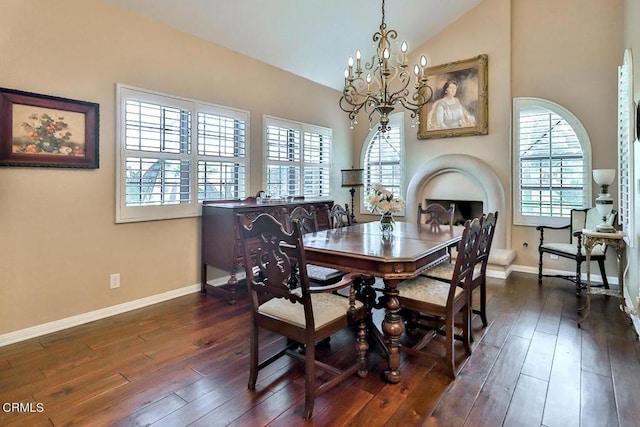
(382, 160)
(156, 139)
(626, 136)
(298, 159)
(221, 157)
(174, 153)
(551, 164)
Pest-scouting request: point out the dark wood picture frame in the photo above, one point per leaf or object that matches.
(47, 131)
(469, 103)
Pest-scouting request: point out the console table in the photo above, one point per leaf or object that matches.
(615, 240)
(220, 239)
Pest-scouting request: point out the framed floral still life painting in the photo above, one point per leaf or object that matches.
(47, 131)
(459, 106)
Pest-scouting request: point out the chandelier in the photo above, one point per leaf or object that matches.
(386, 84)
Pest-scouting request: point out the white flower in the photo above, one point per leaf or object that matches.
(382, 200)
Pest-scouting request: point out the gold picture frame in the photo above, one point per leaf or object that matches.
(459, 106)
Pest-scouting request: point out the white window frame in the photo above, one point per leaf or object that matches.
(396, 120)
(302, 128)
(126, 213)
(585, 143)
(626, 137)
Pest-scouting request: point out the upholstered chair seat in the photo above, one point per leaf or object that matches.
(327, 308)
(570, 248)
(444, 271)
(427, 290)
(321, 274)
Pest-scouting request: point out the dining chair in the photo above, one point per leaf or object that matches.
(436, 215)
(309, 224)
(444, 271)
(339, 216)
(303, 315)
(430, 300)
(571, 247)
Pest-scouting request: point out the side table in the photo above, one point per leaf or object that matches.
(591, 238)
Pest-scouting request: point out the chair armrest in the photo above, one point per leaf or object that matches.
(542, 227)
(578, 235)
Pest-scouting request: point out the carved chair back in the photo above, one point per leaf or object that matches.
(307, 218)
(339, 217)
(436, 215)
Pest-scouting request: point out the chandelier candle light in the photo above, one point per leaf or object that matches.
(604, 202)
(386, 83)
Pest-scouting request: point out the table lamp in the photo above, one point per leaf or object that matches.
(352, 178)
(604, 201)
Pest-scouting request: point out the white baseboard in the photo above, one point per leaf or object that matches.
(595, 278)
(58, 325)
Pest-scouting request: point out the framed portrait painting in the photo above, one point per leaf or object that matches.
(47, 131)
(459, 105)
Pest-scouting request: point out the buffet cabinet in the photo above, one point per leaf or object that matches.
(221, 247)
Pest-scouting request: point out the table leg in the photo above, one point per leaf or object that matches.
(586, 308)
(621, 258)
(393, 327)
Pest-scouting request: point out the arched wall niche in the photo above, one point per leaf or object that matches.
(443, 169)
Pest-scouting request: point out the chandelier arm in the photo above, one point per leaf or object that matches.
(387, 81)
(409, 105)
(400, 93)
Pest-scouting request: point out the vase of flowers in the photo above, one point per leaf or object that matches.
(384, 202)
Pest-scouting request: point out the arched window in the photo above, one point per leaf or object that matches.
(383, 158)
(552, 158)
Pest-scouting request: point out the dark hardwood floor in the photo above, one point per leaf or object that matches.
(185, 361)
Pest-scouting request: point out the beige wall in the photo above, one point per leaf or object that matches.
(568, 51)
(59, 239)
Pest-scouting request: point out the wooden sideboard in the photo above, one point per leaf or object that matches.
(220, 242)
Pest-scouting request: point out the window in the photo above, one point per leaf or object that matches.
(298, 158)
(161, 174)
(552, 163)
(626, 136)
(383, 159)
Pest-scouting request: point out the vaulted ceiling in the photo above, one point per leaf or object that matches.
(310, 38)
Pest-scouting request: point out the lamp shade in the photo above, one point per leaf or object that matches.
(604, 176)
(352, 177)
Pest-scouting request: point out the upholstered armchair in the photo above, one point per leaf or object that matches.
(571, 247)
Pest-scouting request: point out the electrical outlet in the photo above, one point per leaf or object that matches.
(114, 281)
(551, 256)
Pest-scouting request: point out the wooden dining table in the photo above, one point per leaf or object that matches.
(362, 248)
